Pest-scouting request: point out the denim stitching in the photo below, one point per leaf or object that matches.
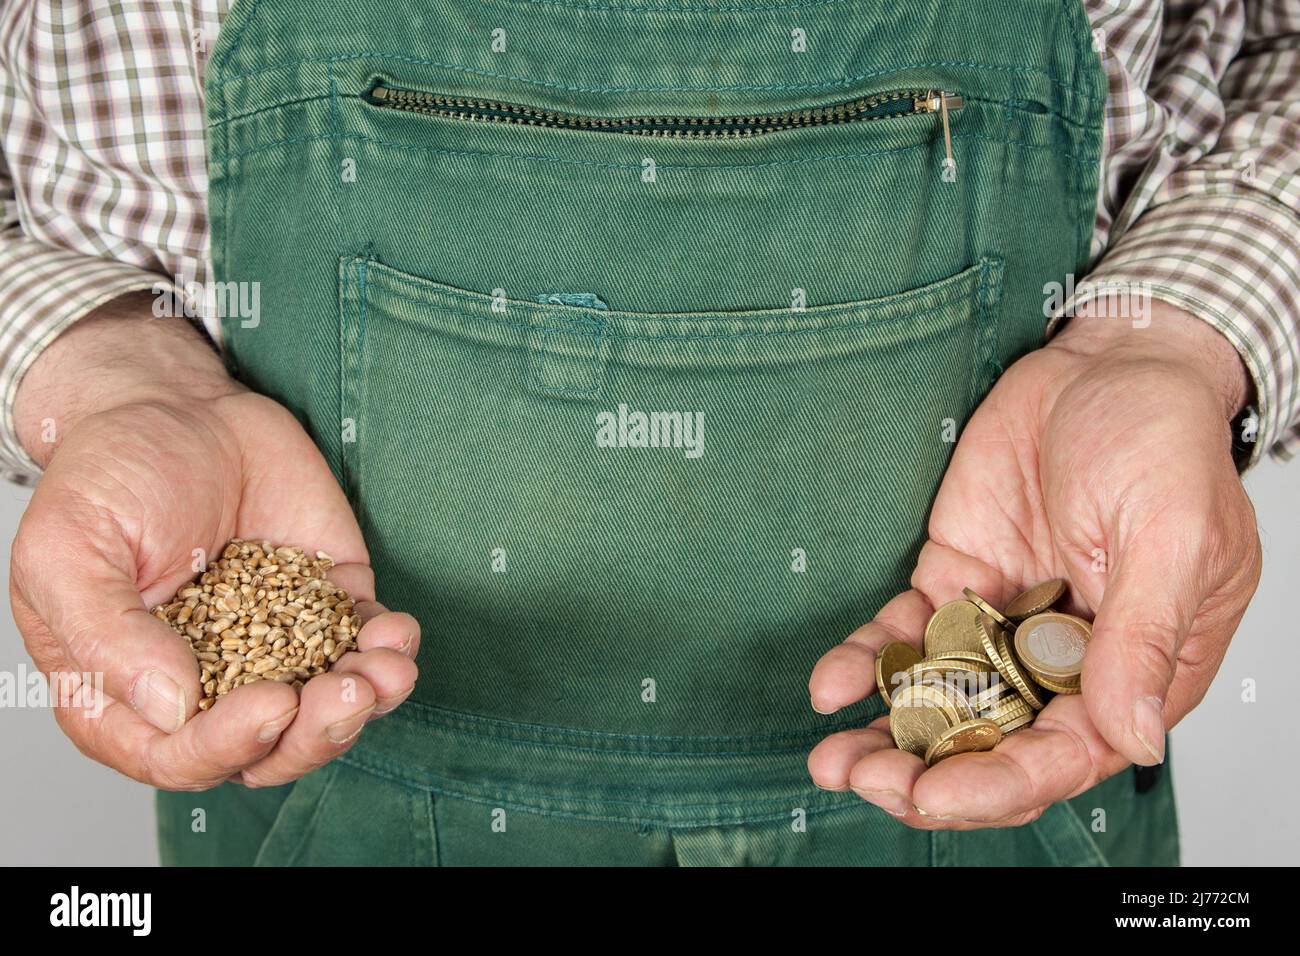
(538, 358)
(988, 299)
(433, 828)
(314, 822)
(687, 7)
(460, 722)
(802, 746)
(954, 289)
(719, 337)
(845, 157)
(511, 801)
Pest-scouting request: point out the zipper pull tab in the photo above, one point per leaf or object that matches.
(949, 174)
(941, 101)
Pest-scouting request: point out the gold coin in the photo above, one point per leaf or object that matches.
(920, 714)
(964, 676)
(951, 699)
(970, 683)
(892, 664)
(1054, 644)
(1030, 691)
(1060, 688)
(1047, 680)
(987, 608)
(1019, 723)
(944, 665)
(970, 736)
(969, 657)
(1008, 709)
(1036, 600)
(958, 702)
(989, 697)
(954, 627)
(957, 664)
(988, 642)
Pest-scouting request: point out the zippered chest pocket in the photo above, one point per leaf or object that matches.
(660, 210)
(877, 107)
(881, 106)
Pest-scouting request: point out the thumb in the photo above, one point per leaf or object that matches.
(81, 597)
(1147, 610)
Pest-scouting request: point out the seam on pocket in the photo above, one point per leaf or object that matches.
(853, 316)
(1065, 839)
(352, 334)
(988, 302)
(432, 823)
(302, 836)
(568, 806)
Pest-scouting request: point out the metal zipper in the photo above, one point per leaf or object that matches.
(881, 106)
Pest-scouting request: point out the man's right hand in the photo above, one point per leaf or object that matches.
(153, 453)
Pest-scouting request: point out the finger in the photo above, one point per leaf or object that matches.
(885, 778)
(1147, 610)
(867, 762)
(888, 779)
(380, 627)
(833, 759)
(241, 729)
(357, 579)
(1060, 755)
(78, 588)
(333, 710)
(390, 673)
(942, 571)
(847, 673)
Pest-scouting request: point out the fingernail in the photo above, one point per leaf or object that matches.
(1149, 726)
(385, 705)
(824, 712)
(891, 801)
(946, 818)
(843, 789)
(347, 728)
(158, 699)
(272, 728)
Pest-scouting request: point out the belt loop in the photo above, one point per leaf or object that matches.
(566, 353)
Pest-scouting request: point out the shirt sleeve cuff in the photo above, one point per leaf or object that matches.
(44, 290)
(1231, 260)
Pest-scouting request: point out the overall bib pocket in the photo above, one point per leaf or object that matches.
(679, 511)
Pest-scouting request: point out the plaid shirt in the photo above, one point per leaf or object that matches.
(104, 182)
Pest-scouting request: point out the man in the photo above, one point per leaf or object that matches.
(451, 246)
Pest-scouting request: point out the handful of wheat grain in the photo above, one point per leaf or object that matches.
(262, 613)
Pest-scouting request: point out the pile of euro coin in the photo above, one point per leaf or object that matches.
(985, 673)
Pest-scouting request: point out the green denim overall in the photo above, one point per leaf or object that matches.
(639, 426)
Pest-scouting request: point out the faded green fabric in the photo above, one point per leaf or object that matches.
(617, 641)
